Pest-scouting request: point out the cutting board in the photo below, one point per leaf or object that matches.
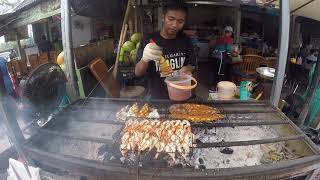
(100, 70)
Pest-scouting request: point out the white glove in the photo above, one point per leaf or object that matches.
(152, 52)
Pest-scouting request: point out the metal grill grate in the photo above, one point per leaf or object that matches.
(101, 112)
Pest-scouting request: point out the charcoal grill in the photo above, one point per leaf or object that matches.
(82, 139)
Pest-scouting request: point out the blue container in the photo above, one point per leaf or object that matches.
(245, 88)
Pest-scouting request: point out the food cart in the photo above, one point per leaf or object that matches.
(85, 138)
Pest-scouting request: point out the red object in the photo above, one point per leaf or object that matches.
(224, 40)
(151, 41)
(179, 94)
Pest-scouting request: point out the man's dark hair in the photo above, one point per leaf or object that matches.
(175, 5)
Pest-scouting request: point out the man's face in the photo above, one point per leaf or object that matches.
(173, 21)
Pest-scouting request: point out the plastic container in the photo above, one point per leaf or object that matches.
(245, 90)
(226, 90)
(179, 86)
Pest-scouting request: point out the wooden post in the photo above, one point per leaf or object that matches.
(68, 47)
(141, 17)
(136, 16)
(131, 23)
(291, 40)
(50, 38)
(125, 20)
(19, 45)
(238, 25)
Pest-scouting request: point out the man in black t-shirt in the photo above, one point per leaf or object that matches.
(170, 43)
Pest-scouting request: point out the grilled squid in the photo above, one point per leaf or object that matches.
(168, 137)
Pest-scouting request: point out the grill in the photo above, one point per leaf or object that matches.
(84, 139)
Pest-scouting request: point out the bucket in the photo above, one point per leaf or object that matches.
(226, 90)
(179, 86)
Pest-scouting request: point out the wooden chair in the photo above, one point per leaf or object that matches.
(43, 58)
(251, 57)
(34, 62)
(10, 68)
(271, 61)
(249, 51)
(23, 67)
(16, 69)
(246, 70)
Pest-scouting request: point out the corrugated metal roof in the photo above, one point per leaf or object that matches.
(6, 19)
(7, 6)
(27, 4)
(4, 16)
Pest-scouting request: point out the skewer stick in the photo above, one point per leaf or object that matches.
(135, 16)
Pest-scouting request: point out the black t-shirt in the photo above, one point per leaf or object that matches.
(179, 52)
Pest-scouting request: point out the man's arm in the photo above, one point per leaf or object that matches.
(151, 52)
(141, 68)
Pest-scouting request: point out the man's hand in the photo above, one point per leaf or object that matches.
(152, 52)
(186, 69)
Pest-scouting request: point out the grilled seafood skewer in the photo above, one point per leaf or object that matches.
(134, 111)
(195, 112)
(170, 137)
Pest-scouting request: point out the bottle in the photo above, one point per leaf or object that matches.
(164, 65)
(165, 68)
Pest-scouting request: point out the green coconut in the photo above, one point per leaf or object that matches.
(136, 37)
(133, 55)
(128, 46)
(121, 58)
(122, 51)
(137, 46)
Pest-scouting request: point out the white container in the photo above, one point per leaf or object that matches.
(226, 90)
